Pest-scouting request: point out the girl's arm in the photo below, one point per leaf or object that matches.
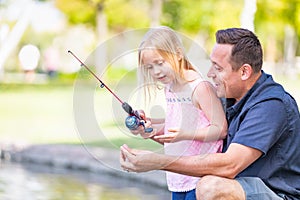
(205, 98)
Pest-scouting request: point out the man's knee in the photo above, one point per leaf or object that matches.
(214, 187)
(207, 185)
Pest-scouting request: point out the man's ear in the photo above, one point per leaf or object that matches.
(246, 71)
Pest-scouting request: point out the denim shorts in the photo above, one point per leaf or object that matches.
(190, 195)
(256, 189)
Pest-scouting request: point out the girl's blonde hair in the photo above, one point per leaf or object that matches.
(167, 43)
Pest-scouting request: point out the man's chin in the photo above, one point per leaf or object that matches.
(220, 94)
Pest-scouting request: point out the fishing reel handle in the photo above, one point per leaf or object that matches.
(134, 120)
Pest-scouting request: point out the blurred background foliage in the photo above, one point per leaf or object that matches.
(55, 26)
(90, 22)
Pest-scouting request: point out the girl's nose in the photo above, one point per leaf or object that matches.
(156, 69)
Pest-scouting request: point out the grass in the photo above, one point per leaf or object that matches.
(36, 114)
(40, 114)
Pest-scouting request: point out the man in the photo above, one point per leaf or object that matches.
(260, 159)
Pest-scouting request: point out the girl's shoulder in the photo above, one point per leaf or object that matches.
(191, 75)
(195, 78)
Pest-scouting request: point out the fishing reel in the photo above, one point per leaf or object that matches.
(134, 120)
(132, 123)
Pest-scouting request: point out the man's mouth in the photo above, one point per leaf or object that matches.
(216, 85)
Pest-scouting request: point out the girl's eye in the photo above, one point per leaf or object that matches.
(161, 62)
(148, 66)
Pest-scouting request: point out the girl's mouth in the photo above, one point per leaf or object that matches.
(161, 78)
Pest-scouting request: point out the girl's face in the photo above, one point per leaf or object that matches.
(159, 68)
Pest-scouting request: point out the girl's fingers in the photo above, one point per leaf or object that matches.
(173, 130)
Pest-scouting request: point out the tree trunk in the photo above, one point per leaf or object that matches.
(14, 37)
(101, 27)
(155, 12)
(248, 13)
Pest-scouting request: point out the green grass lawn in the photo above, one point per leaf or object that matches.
(39, 114)
(44, 114)
(36, 114)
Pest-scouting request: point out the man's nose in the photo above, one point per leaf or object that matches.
(210, 73)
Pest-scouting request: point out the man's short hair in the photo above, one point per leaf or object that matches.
(246, 47)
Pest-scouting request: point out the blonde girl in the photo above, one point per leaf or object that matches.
(195, 122)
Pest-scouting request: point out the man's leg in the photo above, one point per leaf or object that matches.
(255, 189)
(250, 188)
(213, 187)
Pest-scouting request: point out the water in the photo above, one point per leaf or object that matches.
(36, 182)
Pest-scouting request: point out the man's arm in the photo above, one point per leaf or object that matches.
(228, 164)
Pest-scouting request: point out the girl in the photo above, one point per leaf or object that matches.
(195, 122)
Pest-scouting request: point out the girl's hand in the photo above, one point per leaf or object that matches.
(172, 136)
(144, 134)
(141, 129)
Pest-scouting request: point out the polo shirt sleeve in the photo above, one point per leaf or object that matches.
(262, 125)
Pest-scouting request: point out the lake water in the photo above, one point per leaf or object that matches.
(39, 182)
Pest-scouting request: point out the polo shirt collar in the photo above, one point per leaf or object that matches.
(233, 108)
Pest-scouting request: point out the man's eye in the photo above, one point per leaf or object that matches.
(218, 68)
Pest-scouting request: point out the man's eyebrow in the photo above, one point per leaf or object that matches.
(215, 63)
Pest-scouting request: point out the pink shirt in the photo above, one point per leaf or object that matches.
(181, 113)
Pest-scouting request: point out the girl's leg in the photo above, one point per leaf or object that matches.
(190, 195)
(178, 195)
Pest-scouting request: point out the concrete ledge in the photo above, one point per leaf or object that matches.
(92, 159)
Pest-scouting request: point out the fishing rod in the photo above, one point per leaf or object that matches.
(134, 120)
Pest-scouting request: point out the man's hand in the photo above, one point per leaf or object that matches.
(134, 160)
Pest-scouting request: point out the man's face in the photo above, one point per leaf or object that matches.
(227, 82)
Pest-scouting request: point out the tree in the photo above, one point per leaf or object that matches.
(277, 23)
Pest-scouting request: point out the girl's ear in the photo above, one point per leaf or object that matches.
(246, 71)
(179, 53)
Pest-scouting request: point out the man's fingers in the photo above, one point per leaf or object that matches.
(129, 151)
(125, 158)
(122, 156)
(128, 164)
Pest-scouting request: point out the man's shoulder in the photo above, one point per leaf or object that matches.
(268, 90)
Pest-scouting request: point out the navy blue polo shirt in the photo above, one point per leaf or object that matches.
(267, 118)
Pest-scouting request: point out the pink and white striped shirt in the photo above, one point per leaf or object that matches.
(181, 113)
